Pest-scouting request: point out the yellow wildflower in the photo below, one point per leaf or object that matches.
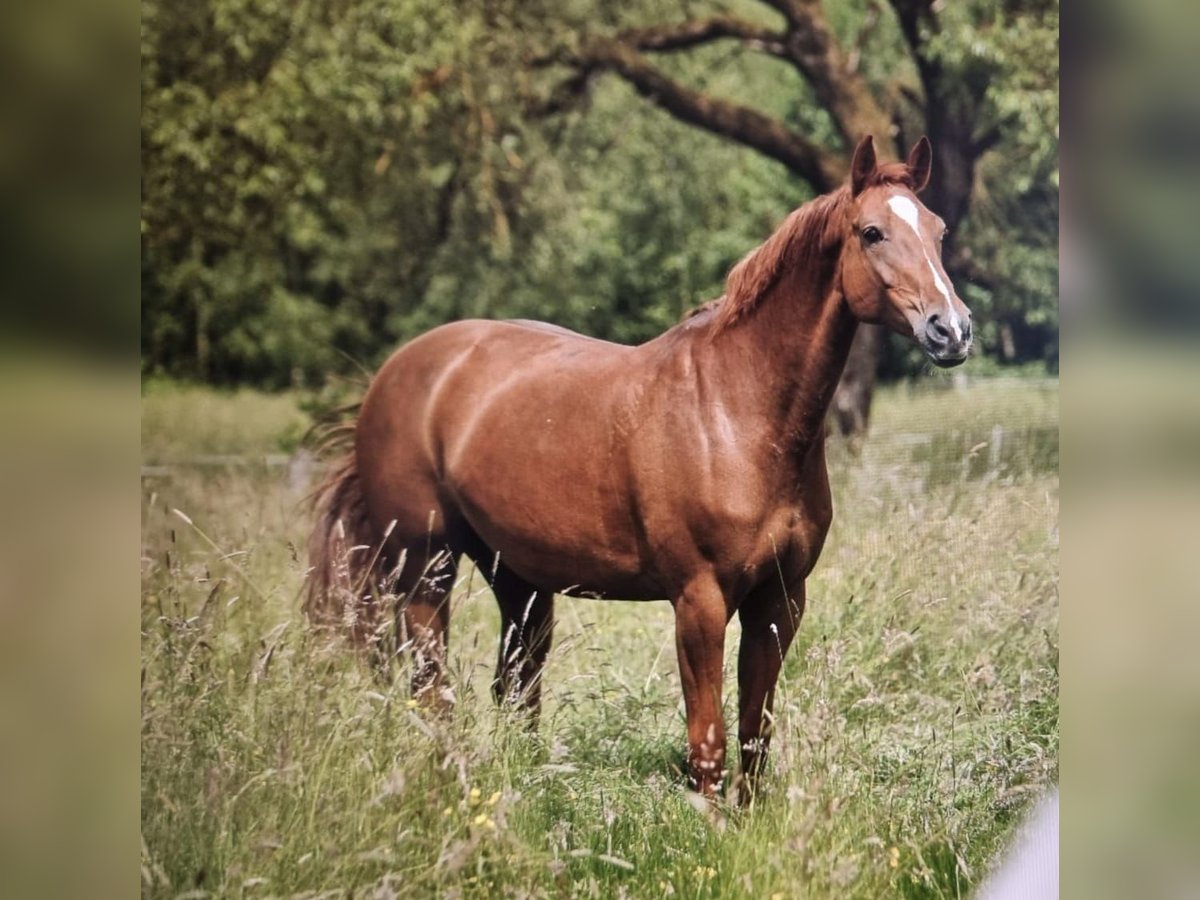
(894, 857)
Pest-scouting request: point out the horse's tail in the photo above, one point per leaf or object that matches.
(344, 555)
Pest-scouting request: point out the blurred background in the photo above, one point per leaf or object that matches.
(1131, 444)
(68, 448)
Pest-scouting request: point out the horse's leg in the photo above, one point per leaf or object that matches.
(425, 624)
(526, 630)
(700, 620)
(770, 617)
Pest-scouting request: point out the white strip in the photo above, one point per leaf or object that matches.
(938, 283)
(906, 210)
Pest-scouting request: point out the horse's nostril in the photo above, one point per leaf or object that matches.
(938, 328)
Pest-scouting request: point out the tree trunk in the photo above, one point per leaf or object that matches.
(949, 191)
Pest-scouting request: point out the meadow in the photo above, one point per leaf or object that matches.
(917, 715)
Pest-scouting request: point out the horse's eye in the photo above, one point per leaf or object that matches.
(872, 235)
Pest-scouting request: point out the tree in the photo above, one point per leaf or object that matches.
(302, 166)
(953, 98)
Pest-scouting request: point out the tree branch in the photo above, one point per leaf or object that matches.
(569, 94)
(808, 43)
(814, 50)
(987, 138)
(685, 35)
(822, 169)
(790, 9)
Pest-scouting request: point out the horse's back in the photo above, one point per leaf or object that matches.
(445, 366)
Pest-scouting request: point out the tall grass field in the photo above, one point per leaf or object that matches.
(916, 719)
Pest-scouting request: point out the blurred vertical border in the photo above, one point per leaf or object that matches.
(1130, 297)
(69, 113)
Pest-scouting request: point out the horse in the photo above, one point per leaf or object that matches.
(690, 467)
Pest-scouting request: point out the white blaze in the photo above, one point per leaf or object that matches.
(906, 210)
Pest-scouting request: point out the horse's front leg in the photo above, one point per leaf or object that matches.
(700, 620)
(770, 617)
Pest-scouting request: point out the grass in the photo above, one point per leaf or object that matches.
(181, 422)
(917, 714)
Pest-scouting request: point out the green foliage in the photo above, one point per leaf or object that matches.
(322, 180)
(916, 716)
(180, 421)
(300, 165)
(1010, 237)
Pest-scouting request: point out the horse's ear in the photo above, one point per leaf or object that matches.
(920, 161)
(863, 165)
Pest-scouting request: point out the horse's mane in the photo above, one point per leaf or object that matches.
(807, 238)
(706, 307)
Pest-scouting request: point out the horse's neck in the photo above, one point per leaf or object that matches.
(796, 347)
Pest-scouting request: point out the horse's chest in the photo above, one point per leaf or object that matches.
(783, 539)
(788, 542)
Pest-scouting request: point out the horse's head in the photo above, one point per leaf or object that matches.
(891, 265)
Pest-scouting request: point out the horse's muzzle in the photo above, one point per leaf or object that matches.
(947, 345)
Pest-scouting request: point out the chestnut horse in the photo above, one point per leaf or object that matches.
(691, 467)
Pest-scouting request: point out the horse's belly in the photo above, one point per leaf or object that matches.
(558, 546)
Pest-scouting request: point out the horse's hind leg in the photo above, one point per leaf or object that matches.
(526, 631)
(424, 627)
